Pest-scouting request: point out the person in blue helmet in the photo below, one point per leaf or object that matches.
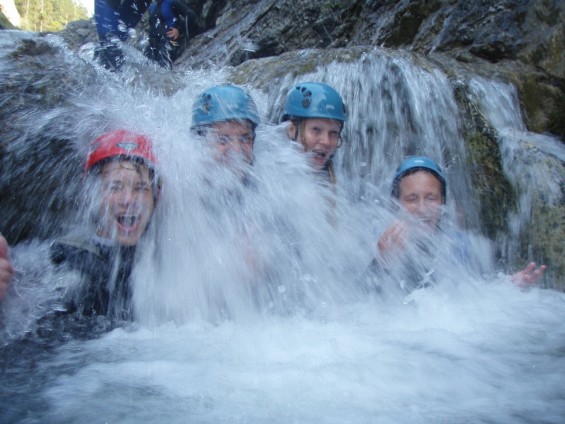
(419, 185)
(168, 31)
(227, 116)
(316, 114)
(113, 20)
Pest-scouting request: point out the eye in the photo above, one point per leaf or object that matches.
(222, 139)
(115, 187)
(334, 135)
(245, 139)
(141, 187)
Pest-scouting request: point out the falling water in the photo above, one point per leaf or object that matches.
(531, 162)
(248, 297)
(396, 108)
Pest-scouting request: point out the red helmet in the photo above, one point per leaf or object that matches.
(120, 143)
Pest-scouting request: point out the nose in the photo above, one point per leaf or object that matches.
(421, 206)
(127, 196)
(235, 146)
(325, 138)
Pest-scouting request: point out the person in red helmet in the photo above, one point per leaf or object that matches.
(121, 181)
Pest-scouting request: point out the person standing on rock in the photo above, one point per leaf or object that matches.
(168, 32)
(113, 20)
(316, 114)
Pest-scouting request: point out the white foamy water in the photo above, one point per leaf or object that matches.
(487, 354)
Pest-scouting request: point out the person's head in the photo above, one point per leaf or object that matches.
(123, 164)
(227, 116)
(316, 115)
(420, 187)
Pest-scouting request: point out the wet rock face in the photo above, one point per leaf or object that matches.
(518, 40)
(37, 138)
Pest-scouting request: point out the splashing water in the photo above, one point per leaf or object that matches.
(247, 296)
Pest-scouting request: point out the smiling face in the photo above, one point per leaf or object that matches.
(319, 136)
(420, 193)
(127, 202)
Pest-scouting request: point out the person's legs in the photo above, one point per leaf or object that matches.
(151, 51)
(107, 21)
(162, 53)
(112, 21)
(175, 51)
(108, 54)
(158, 50)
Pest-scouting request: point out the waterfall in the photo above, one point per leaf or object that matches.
(248, 297)
(396, 108)
(531, 162)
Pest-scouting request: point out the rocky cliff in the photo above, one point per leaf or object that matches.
(517, 40)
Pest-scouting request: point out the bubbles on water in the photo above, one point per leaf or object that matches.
(444, 357)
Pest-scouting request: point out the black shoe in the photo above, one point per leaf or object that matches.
(110, 56)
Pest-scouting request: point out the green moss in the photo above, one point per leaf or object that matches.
(492, 189)
(547, 233)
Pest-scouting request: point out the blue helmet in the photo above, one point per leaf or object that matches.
(224, 103)
(314, 100)
(418, 163)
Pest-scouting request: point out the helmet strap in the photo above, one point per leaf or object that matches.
(294, 125)
(300, 131)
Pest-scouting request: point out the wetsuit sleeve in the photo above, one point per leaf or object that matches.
(92, 295)
(85, 260)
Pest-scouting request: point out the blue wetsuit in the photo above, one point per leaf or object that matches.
(163, 16)
(113, 19)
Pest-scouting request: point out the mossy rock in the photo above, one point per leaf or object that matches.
(547, 234)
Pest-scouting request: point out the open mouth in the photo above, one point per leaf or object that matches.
(127, 222)
(319, 157)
